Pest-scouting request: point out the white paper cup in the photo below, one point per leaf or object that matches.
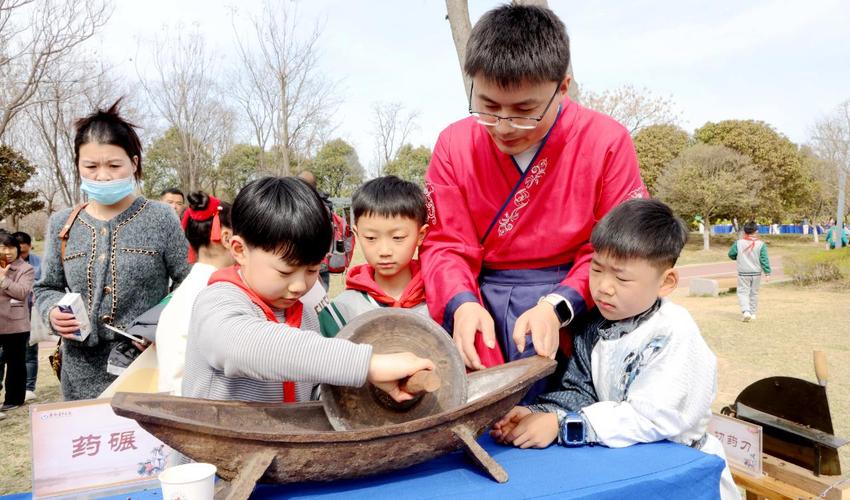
(188, 482)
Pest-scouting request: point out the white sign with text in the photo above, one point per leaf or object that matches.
(741, 442)
(81, 446)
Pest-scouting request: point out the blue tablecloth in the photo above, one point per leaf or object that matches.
(658, 470)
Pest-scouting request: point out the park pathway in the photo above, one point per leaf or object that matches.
(723, 270)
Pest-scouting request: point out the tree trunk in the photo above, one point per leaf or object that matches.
(458, 16)
(706, 235)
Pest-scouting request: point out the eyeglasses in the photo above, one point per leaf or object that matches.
(520, 122)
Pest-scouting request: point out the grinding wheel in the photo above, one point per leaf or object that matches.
(391, 330)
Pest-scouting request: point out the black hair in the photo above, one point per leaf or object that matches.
(8, 240)
(198, 232)
(23, 238)
(390, 196)
(641, 229)
(750, 227)
(108, 127)
(515, 44)
(283, 215)
(172, 190)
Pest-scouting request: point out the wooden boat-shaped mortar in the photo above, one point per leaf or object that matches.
(297, 443)
(353, 432)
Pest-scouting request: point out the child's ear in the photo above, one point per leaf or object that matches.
(238, 250)
(354, 230)
(669, 282)
(226, 235)
(422, 232)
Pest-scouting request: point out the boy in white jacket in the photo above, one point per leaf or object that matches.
(653, 374)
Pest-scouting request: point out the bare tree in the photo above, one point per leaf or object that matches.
(30, 49)
(457, 13)
(280, 89)
(831, 140)
(392, 130)
(185, 95)
(634, 108)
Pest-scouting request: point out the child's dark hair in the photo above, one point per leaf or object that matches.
(172, 190)
(390, 196)
(198, 232)
(108, 127)
(516, 44)
(22, 237)
(8, 240)
(750, 227)
(283, 215)
(641, 229)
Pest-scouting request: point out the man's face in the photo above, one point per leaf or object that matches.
(175, 200)
(25, 250)
(388, 243)
(525, 100)
(279, 283)
(623, 288)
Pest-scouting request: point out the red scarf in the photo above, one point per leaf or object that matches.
(292, 314)
(752, 239)
(362, 278)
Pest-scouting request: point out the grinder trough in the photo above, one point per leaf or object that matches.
(282, 443)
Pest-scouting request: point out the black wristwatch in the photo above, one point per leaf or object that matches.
(561, 306)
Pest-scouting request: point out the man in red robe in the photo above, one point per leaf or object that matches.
(514, 191)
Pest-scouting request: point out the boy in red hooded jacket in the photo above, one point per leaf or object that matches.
(389, 221)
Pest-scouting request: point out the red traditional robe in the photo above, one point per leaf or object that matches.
(484, 212)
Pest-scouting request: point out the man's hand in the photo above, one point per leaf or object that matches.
(542, 323)
(471, 318)
(537, 430)
(506, 424)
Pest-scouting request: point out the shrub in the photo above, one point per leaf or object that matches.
(819, 266)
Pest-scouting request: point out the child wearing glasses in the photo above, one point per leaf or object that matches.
(514, 192)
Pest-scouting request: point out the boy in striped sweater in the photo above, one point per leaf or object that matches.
(250, 337)
(751, 255)
(389, 221)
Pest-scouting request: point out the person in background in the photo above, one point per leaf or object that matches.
(16, 278)
(751, 255)
(174, 198)
(25, 240)
(208, 228)
(119, 253)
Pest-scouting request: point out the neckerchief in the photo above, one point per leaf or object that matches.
(292, 314)
(362, 278)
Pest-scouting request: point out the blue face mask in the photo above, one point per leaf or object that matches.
(107, 192)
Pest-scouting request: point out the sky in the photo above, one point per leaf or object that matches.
(783, 62)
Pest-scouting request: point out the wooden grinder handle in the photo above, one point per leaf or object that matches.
(421, 381)
(821, 370)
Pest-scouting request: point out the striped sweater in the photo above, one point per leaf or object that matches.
(235, 353)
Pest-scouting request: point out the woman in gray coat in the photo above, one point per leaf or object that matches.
(15, 285)
(120, 253)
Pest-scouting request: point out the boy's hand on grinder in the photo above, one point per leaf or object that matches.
(387, 370)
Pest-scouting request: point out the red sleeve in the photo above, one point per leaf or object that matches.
(621, 181)
(451, 254)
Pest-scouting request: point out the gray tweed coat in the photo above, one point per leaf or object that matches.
(121, 267)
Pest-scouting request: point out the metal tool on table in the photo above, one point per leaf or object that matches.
(795, 418)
